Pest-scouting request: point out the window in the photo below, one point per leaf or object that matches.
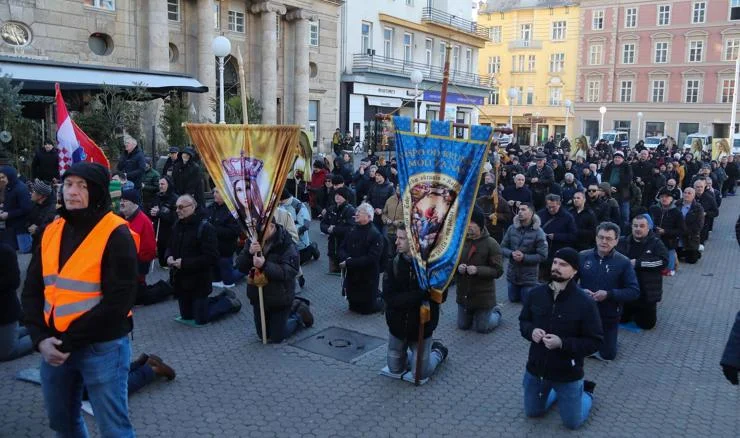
(732, 49)
(692, 91)
(409, 2)
(661, 52)
(664, 15)
(494, 65)
(408, 47)
(734, 9)
(597, 22)
(468, 60)
(556, 96)
(236, 21)
(428, 48)
(696, 50)
(109, 5)
(217, 14)
(628, 53)
(442, 52)
(593, 91)
(531, 63)
(313, 117)
(520, 96)
(456, 58)
(625, 91)
(366, 38)
(493, 96)
(313, 33)
(388, 42)
(494, 34)
(654, 129)
(699, 12)
(530, 96)
(728, 88)
(630, 18)
(558, 30)
(658, 91)
(525, 32)
(173, 10)
(557, 62)
(517, 63)
(595, 54)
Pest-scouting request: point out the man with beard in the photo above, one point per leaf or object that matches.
(563, 325)
(669, 225)
(488, 186)
(585, 221)
(609, 278)
(709, 204)
(648, 256)
(360, 254)
(559, 228)
(539, 177)
(525, 246)
(693, 217)
(336, 223)
(603, 205)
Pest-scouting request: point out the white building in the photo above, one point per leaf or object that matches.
(386, 40)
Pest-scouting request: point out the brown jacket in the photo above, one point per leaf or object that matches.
(392, 214)
(478, 291)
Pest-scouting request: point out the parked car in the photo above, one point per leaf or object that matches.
(706, 141)
(653, 142)
(619, 139)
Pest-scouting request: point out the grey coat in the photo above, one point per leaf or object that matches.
(532, 242)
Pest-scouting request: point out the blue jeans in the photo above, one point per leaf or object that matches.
(103, 369)
(518, 292)
(225, 271)
(400, 359)
(14, 341)
(280, 323)
(481, 320)
(205, 310)
(624, 208)
(608, 348)
(671, 259)
(139, 377)
(573, 403)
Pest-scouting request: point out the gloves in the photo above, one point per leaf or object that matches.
(731, 373)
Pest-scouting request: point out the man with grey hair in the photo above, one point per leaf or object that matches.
(569, 186)
(709, 204)
(132, 161)
(360, 257)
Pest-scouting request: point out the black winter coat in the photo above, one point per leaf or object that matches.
(45, 165)
(403, 297)
(41, 215)
(545, 177)
(585, 228)
(625, 178)
(574, 318)
(188, 178)
(226, 226)
(280, 268)
(133, 165)
(17, 201)
(362, 250)
(193, 279)
(342, 218)
(650, 256)
(693, 223)
(709, 204)
(167, 213)
(379, 193)
(731, 355)
(10, 279)
(670, 221)
(563, 228)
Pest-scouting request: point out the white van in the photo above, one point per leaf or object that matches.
(653, 142)
(706, 141)
(616, 138)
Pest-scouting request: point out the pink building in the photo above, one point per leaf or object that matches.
(659, 67)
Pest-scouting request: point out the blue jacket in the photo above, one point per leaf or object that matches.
(17, 200)
(614, 274)
(134, 165)
(561, 226)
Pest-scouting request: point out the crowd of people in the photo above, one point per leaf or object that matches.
(583, 238)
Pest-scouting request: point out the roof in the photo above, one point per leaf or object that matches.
(39, 77)
(507, 5)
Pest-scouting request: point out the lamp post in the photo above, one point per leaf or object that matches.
(416, 77)
(568, 104)
(639, 125)
(221, 48)
(733, 115)
(513, 93)
(602, 110)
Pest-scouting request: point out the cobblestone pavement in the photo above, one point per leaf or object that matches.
(665, 382)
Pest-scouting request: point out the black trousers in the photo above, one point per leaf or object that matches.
(644, 314)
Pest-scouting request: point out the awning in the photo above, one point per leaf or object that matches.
(39, 77)
(388, 102)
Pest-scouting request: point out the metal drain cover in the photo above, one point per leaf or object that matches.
(340, 344)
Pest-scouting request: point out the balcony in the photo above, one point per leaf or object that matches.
(437, 16)
(525, 44)
(363, 63)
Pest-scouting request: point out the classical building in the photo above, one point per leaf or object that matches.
(289, 48)
(659, 68)
(531, 57)
(384, 42)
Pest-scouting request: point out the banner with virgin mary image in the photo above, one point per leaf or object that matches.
(439, 176)
(249, 165)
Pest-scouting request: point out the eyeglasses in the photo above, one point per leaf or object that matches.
(184, 206)
(605, 238)
(593, 190)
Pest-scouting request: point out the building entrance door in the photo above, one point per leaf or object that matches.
(591, 130)
(522, 135)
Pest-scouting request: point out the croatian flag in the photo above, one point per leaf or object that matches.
(73, 144)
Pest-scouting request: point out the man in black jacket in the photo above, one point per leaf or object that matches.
(336, 223)
(585, 220)
(378, 194)
(79, 348)
(668, 224)
(45, 164)
(227, 233)
(693, 217)
(619, 176)
(539, 177)
(709, 204)
(731, 357)
(560, 230)
(43, 211)
(132, 161)
(648, 256)
(172, 161)
(563, 325)
(403, 299)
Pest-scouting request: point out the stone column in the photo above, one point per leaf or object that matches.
(301, 72)
(159, 38)
(268, 84)
(206, 60)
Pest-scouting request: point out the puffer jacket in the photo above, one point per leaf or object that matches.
(133, 164)
(478, 291)
(403, 297)
(532, 242)
(650, 256)
(614, 274)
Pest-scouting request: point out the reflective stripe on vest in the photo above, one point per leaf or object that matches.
(75, 290)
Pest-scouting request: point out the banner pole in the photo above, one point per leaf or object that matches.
(156, 240)
(419, 348)
(243, 86)
(445, 81)
(263, 324)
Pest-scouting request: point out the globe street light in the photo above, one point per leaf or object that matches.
(602, 110)
(221, 48)
(416, 77)
(639, 125)
(513, 93)
(568, 104)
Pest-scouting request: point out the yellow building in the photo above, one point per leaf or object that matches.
(533, 49)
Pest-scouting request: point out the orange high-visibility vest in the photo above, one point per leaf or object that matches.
(75, 290)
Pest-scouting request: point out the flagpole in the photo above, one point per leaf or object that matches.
(445, 82)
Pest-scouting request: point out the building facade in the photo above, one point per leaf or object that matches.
(384, 42)
(659, 68)
(532, 49)
(290, 48)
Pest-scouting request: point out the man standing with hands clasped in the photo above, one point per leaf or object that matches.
(563, 325)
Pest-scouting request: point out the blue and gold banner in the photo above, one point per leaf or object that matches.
(439, 177)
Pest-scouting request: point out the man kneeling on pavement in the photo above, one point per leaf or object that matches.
(563, 325)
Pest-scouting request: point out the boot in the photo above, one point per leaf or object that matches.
(304, 312)
(160, 368)
(315, 250)
(333, 266)
(141, 360)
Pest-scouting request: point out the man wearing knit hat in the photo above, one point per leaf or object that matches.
(43, 211)
(140, 223)
(337, 222)
(619, 175)
(79, 290)
(563, 325)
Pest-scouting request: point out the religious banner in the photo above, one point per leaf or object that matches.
(439, 176)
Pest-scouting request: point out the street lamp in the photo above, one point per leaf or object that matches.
(568, 104)
(639, 125)
(221, 48)
(513, 93)
(416, 77)
(602, 110)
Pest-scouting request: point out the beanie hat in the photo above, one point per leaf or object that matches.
(382, 171)
(620, 153)
(569, 256)
(344, 193)
(337, 179)
(606, 187)
(665, 191)
(174, 149)
(97, 177)
(41, 188)
(131, 195)
(478, 218)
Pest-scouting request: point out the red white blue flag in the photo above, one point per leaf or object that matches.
(73, 144)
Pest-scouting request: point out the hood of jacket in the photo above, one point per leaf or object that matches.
(536, 222)
(11, 174)
(99, 202)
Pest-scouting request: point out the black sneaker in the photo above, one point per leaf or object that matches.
(316, 252)
(301, 281)
(436, 345)
(304, 312)
(589, 386)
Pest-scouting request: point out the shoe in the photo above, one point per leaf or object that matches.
(236, 305)
(701, 248)
(301, 281)
(303, 311)
(665, 272)
(589, 386)
(316, 253)
(228, 286)
(160, 368)
(141, 360)
(672, 273)
(597, 356)
(217, 284)
(436, 345)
